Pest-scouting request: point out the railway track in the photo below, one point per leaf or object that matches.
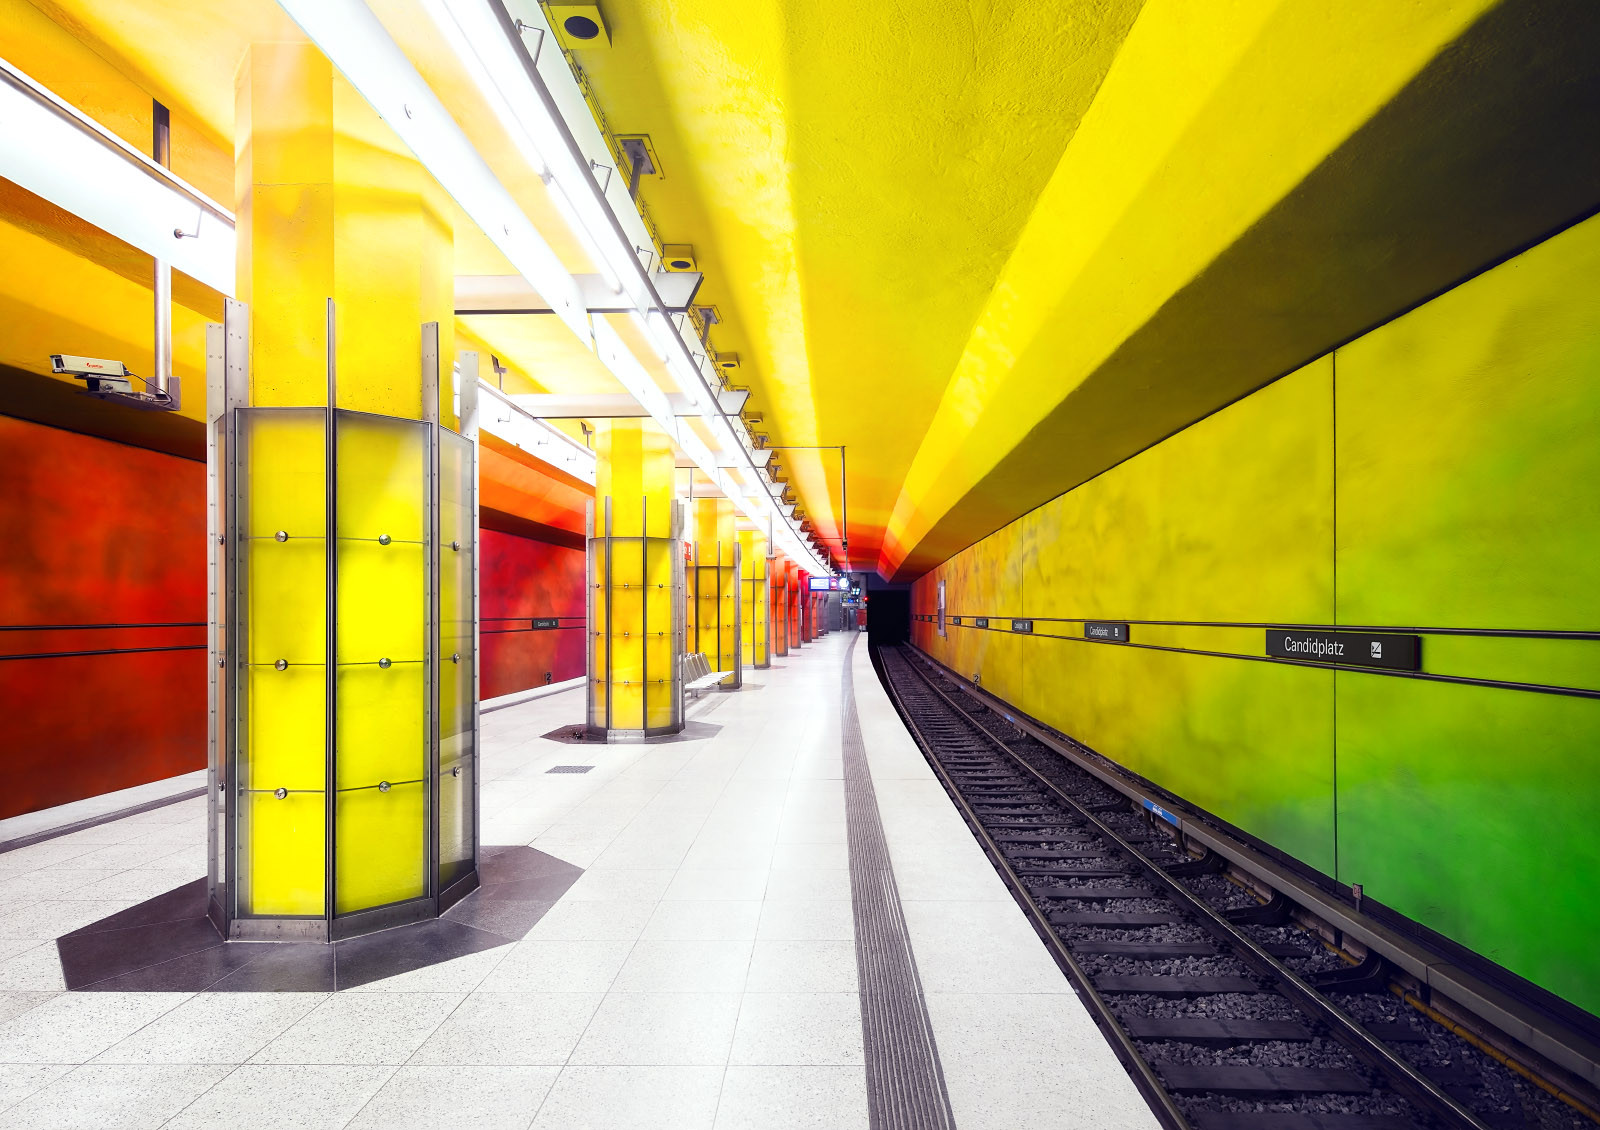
(1227, 1016)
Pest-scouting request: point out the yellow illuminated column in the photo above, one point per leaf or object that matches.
(635, 584)
(792, 592)
(714, 589)
(755, 611)
(344, 491)
(780, 605)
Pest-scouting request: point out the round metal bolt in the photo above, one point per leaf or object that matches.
(384, 662)
(383, 539)
(221, 662)
(282, 664)
(455, 657)
(384, 786)
(280, 793)
(281, 535)
(456, 772)
(455, 545)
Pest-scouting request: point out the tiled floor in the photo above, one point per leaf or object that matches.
(700, 973)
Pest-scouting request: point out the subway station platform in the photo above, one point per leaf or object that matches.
(776, 919)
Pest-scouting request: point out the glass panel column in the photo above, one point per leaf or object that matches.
(715, 588)
(636, 605)
(755, 609)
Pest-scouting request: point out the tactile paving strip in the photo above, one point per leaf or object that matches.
(905, 1083)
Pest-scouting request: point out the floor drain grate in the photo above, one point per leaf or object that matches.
(569, 769)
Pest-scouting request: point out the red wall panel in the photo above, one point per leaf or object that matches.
(98, 533)
(521, 579)
(102, 534)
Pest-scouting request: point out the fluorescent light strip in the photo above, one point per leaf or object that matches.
(53, 151)
(486, 43)
(351, 36)
(533, 435)
(477, 64)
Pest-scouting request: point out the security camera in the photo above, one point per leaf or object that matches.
(112, 380)
(102, 375)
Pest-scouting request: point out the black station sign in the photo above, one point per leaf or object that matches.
(1022, 625)
(980, 621)
(545, 623)
(1349, 649)
(1102, 630)
(955, 620)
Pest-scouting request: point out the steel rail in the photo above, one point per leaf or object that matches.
(1401, 1076)
(1534, 1027)
(1145, 1078)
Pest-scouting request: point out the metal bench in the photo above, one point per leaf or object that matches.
(698, 677)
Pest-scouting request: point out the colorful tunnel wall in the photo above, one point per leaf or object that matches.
(106, 534)
(98, 533)
(523, 585)
(1440, 472)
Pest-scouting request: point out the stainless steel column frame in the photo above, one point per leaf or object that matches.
(606, 591)
(644, 615)
(677, 512)
(430, 612)
(467, 391)
(589, 619)
(231, 386)
(330, 560)
(216, 413)
(738, 618)
(161, 370)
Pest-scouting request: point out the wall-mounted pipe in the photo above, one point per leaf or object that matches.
(161, 370)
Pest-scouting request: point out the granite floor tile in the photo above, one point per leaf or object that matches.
(113, 1097)
(510, 1029)
(284, 1097)
(483, 1098)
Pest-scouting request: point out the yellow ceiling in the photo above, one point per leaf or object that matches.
(998, 247)
(852, 179)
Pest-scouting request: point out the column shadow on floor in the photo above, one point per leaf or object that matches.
(577, 735)
(168, 944)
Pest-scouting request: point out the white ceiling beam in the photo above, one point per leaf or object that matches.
(613, 405)
(57, 153)
(513, 294)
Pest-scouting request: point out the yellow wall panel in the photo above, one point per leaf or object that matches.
(379, 849)
(285, 852)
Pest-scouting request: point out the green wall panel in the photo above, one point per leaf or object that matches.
(1469, 497)
(1441, 472)
(1468, 458)
(1230, 519)
(1472, 810)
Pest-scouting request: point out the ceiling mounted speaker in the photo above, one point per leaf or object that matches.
(678, 257)
(580, 27)
(726, 361)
